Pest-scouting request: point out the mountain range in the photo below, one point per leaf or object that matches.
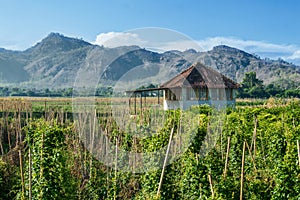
(58, 61)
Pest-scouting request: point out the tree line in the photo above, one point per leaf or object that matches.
(47, 92)
(255, 157)
(252, 87)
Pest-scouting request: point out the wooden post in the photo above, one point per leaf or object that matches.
(45, 107)
(211, 186)
(145, 99)
(8, 132)
(30, 168)
(92, 142)
(116, 166)
(129, 104)
(252, 158)
(26, 116)
(1, 133)
(106, 156)
(21, 172)
(207, 94)
(165, 162)
(135, 103)
(253, 143)
(158, 97)
(19, 125)
(141, 101)
(242, 172)
(16, 129)
(227, 155)
(298, 147)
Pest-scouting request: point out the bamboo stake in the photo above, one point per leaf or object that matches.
(253, 143)
(8, 131)
(1, 134)
(45, 109)
(252, 158)
(298, 147)
(242, 172)
(42, 155)
(165, 162)
(106, 157)
(30, 168)
(220, 128)
(14, 126)
(92, 144)
(263, 149)
(116, 166)
(1, 147)
(227, 155)
(21, 172)
(26, 116)
(294, 123)
(211, 186)
(19, 125)
(86, 116)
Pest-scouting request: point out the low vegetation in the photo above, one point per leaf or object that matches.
(255, 156)
(251, 87)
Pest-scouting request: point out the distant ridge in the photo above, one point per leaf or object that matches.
(55, 60)
(57, 42)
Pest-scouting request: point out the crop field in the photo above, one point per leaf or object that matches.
(100, 148)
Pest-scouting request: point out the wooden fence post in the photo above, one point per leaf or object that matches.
(211, 186)
(21, 172)
(242, 172)
(165, 162)
(227, 155)
(298, 148)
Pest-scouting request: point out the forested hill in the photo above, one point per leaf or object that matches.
(54, 63)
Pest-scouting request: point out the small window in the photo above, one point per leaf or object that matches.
(202, 94)
(229, 94)
(196, 94)
(193, 94)
(214, 94)
(173, 94)
(222, 94)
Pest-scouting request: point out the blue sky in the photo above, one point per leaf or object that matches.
(268, 28)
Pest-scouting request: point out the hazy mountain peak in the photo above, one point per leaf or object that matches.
(3, 50)
(56, 42)
(230, 50)
(56, 59)
(192, 51)
(55, 35)
(224, 48)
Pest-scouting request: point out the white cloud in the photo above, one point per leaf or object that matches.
(115, 39)
(251, 46)
(11, 45)
(262, 48)
(296, 55)
(180, 45)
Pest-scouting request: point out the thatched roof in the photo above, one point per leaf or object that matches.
(200, 76)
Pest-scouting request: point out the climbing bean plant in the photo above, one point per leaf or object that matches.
(254, 156)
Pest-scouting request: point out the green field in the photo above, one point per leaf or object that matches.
(64, 148)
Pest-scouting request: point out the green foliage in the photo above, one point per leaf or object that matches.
(251, 81)
(3, 170)
(251, 87)
(9, 180)
(64, 92)
(51, 179)
(62, 168)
